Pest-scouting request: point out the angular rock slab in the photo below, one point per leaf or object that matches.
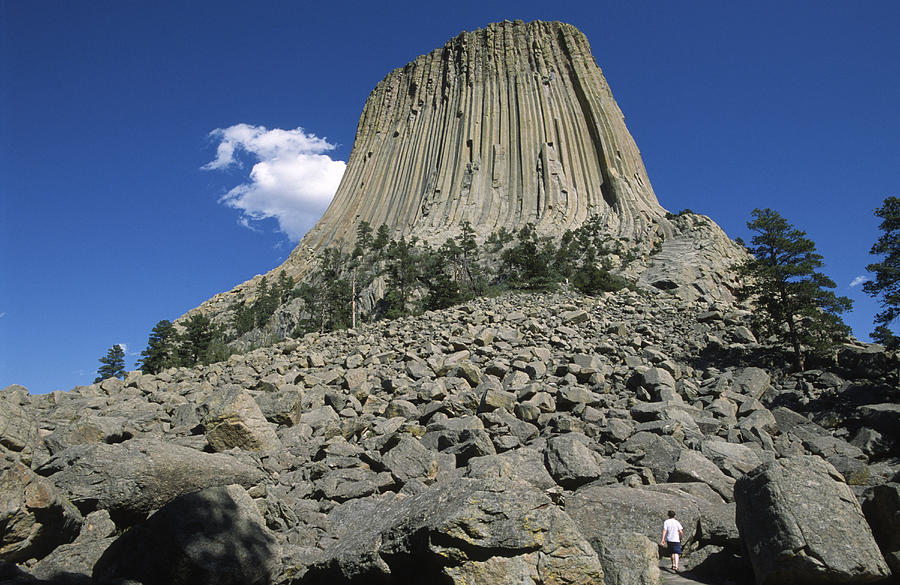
(409, 459)
(882, 509)
(212, 537)
(34, 515)
(525, 464)
(693, 466)
(232, 418)
(18, 430)
(465, 530)
(140, 475)
(570, 461)
(630, 559)
(802, 524)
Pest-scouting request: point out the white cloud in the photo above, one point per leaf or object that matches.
(859, 280)
(3, 314)
(291, 180)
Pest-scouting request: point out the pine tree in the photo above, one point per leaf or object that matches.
(382, 239)
(472, 280)
(786, 291)
(887, 272)
(360, 267)
(327, 294)
(284, 287)
(403, 274)
(195, 341)
(244, 318)
(530, 263)
(440, 275)
(364, 238)
(113, 364)
(267, 301)
(160, 353)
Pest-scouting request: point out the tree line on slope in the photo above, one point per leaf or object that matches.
(790, 297)
(418, 277)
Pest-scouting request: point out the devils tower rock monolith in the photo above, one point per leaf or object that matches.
(504, 126)
(509, 124)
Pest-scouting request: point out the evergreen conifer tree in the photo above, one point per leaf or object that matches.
(402, 275)
(787, 292)
(887, 272)
(382, 239)
(284, 288)
(195, 341)
(364, 238)
(160, 353)
(267, 300)
(244, 319)
(113, 364)
(530, 263)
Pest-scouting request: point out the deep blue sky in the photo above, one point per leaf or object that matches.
(109, 224)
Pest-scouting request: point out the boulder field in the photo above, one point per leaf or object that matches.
(529, 438)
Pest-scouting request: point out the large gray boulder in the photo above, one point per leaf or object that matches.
(882, 509)
(408, 459)
(694, 466)
(232, 418)
(524, 463)
(734, 459)
(133, 478)
(85, 430)
(458, 531)
(802, 524)
(212, 537)
(18, 429)
(629, 559)
(35, 517)
(570, 461)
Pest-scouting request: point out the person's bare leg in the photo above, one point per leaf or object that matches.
(675, 562)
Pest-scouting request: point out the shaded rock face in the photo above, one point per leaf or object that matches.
(802, 524)
(505, 125)
(882, 509)
(34, 515)
(211, 537)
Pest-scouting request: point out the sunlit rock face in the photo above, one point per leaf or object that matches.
(506, 125)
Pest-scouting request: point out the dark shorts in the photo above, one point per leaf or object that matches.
(674, 547)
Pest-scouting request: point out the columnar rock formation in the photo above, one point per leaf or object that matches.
(509, 124)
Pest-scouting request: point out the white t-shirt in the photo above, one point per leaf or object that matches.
(672, 526)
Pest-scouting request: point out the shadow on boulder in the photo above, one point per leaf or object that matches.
(10, 574)
(215, 536)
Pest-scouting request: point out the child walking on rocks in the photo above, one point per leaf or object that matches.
(671, 538)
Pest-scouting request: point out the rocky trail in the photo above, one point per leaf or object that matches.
(686, 578)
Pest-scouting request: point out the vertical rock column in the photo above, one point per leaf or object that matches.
(509, 124)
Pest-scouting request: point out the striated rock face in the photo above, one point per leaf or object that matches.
(509, 124)
(504, 126)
